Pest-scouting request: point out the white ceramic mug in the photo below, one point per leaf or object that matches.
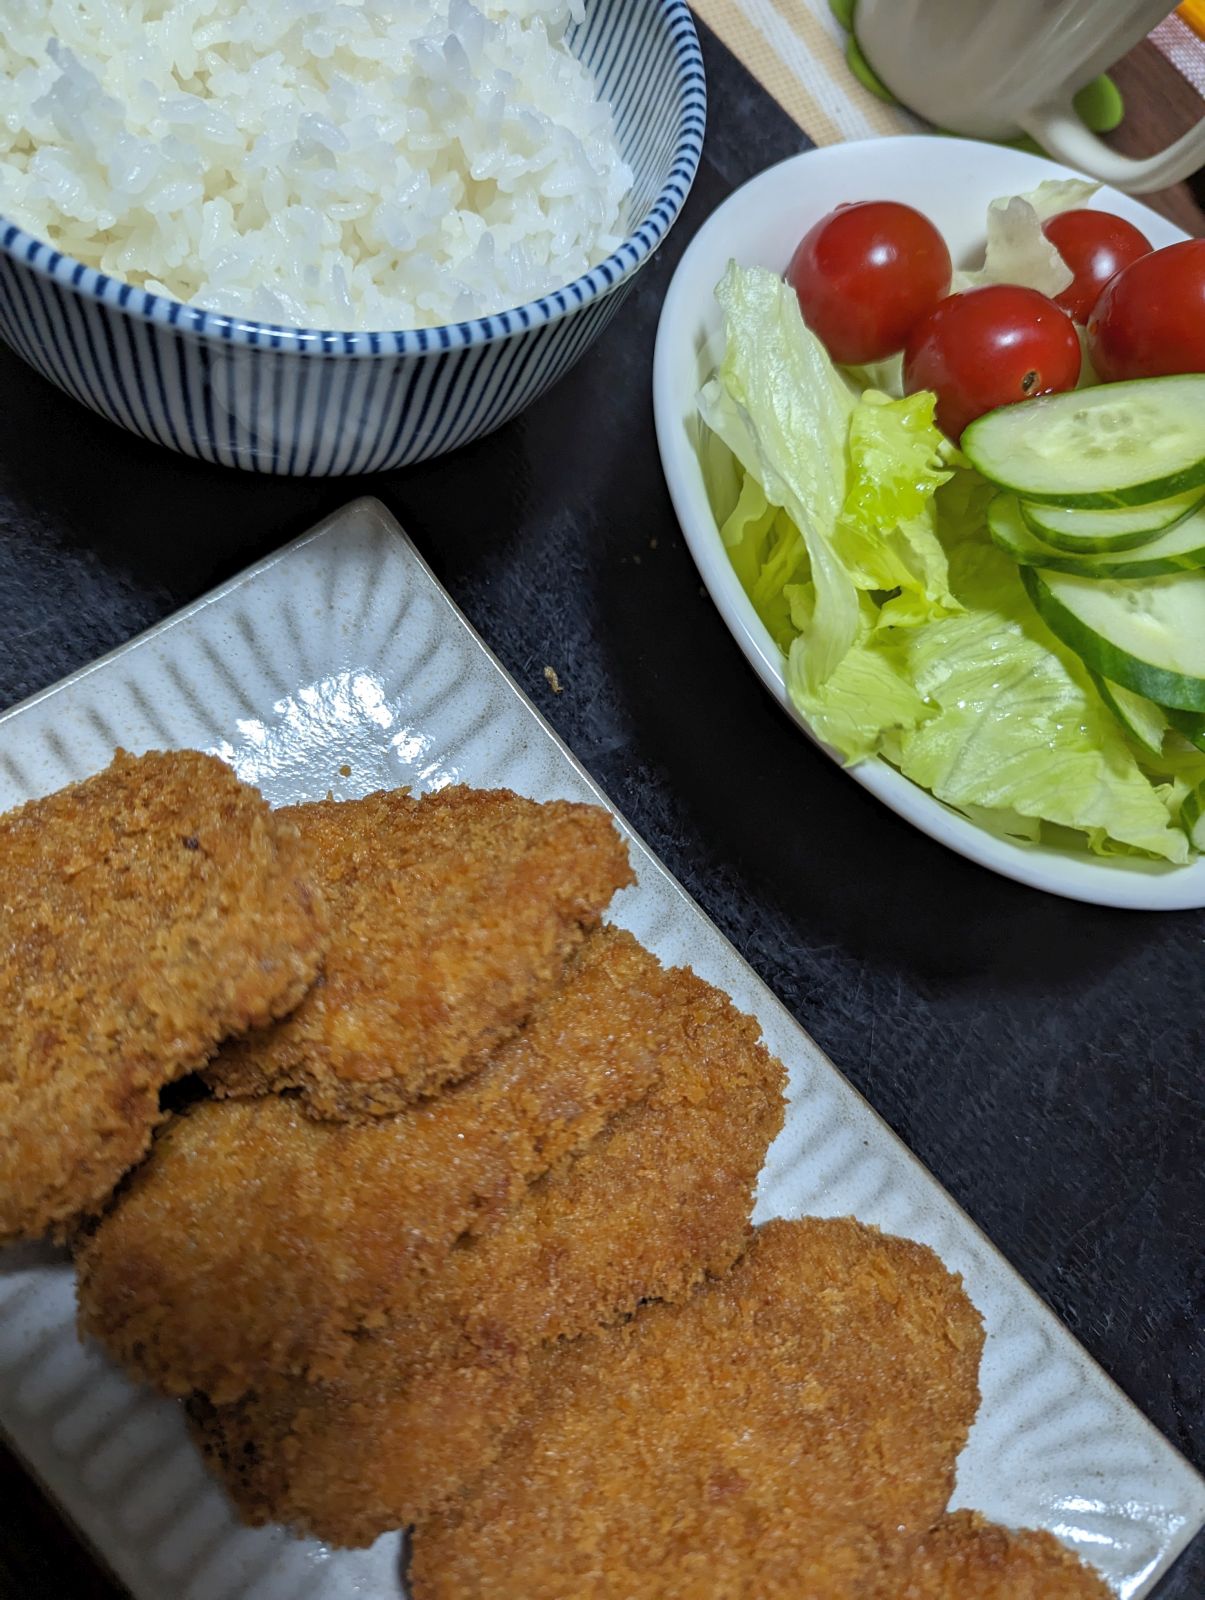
(996, 68)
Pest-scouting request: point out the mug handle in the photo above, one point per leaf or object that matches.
(1062, 135)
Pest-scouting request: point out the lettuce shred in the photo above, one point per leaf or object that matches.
(859, 534)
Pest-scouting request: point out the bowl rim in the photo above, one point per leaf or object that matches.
(27, 250)
(732, 230)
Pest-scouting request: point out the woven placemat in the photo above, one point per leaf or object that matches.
(796, 51)
(1181, 39)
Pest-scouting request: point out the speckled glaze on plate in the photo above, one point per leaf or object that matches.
(342, 652)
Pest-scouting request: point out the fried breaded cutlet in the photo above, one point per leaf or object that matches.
(659, 1200)
(452, 915)
(148, 913)
(257, 1241)
(359, 1494)
(350, 1460)
(771, 1437)
(656, 1202)
(967, 1558)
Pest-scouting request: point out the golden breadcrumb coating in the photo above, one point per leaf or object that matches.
(256, 1240)
(967, 1558)
(768, 1438)
(657, 1201)
(145, 915)
(347, 1461)
(452, 914)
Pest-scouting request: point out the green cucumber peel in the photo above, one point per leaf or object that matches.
(1192, 816)
(1181, 549)
(1081, 532)
(1188, 724)
(1141, 718)
(1167, 686)
(1110, 445)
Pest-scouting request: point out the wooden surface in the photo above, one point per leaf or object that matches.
(1159, 106)
(40, 1558)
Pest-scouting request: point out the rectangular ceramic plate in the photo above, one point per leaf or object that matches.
(340, 666)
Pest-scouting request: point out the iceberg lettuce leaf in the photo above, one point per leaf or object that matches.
(1017, 249)
(885, 376)
(866, 699)
(744, 532)
(1017, 252)
(1018, 725)
(986, 710)
(887, 532)
(895, 459)
(769, 556)
(783, 409)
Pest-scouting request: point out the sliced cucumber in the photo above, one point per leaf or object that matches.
(1191, 725)
(1192, 817)
(1119, 444)
(1141, 718)
(1080, 531)
(1181, 549)
(1147, 634)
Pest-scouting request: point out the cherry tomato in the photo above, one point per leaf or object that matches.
(1096, 245)
(1150, 321)
(990, 347)
(866, 274)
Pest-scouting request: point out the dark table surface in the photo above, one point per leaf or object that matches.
(1043, 1058)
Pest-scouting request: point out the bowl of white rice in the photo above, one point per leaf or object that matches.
(317, 237)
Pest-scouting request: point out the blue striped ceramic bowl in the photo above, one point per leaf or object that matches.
(308, 403)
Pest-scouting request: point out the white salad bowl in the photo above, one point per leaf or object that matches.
(951, 181)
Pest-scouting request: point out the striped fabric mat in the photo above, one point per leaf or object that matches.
(796, 50)
(1181, 38)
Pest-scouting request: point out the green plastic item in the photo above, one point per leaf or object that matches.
(1098, 104)
(860, 67)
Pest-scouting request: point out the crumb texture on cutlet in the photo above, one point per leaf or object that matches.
(769, 1437)
(658, 1200)
(465, 1243)
(148, 913)
(387, 1449)
(256, 1241)
(452, 915)
(966, 1557)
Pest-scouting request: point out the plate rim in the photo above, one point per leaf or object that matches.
(1124, 885)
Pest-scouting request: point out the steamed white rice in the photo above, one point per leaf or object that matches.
(364, 164)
